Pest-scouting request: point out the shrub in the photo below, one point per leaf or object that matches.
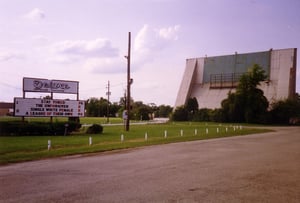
(36, 128)
(284, 110)
(95, 129)
(202, 115)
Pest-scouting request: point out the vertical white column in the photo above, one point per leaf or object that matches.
(49, 145)
(90, 141)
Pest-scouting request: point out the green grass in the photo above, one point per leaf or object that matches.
(26, 148)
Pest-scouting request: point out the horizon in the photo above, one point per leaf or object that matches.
(86, 41)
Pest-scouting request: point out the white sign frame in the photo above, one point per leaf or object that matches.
(50, 86)
(31, 107)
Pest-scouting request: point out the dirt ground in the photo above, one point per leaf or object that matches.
(254, 168)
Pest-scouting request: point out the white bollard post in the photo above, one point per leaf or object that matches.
(181, 132)
(122, 138)
(206, 130)
(196, 131)
(146, 136)
(241, 127)
(226, 129)
(217, 130)
(49, 145)
(90, 141)
(166, 134)
(233, 128)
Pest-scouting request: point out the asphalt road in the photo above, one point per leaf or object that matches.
(254, 168)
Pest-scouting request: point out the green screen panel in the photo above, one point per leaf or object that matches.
(238, 63)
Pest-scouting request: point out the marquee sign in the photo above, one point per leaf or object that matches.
(48, 107)
(51, 86)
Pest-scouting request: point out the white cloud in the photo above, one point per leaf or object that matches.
(35, 14)
(94, 48)
(6, 56)
(150, 38)
(40, 39)
(105, 65)
(95, 56)
(146, 39)
(170, 33)
(149, 42)
(62, 59)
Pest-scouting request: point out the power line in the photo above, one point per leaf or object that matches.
(99, 88)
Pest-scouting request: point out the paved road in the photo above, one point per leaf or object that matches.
(253, 168)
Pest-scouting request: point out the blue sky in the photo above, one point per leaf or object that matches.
(86, 40)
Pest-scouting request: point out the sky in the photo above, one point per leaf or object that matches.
(86, 41)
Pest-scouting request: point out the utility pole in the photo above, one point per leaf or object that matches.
(129, 82)
(108, 93)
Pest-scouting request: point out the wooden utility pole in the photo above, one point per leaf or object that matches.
(129, 81)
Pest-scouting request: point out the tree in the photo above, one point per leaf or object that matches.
(232, 109)
(163, 111)
(92, 107)
(180, 114)
(192, 105)
(248, 104)
(98, 107)
(140, 111)
(285, 111)
(202, 115)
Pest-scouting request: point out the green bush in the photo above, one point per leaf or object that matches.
(202, 115)
(95, 129)
(284, 110)
(36, 128)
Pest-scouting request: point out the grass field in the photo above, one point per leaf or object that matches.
(25, 148)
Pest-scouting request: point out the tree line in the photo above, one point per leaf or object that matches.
(246, 105)
(101, 107)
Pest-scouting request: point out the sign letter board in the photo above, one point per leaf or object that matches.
(51, 86)
(48, 107)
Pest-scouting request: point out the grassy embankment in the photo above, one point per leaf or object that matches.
(25, 148)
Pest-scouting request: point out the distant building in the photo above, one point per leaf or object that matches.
(209, 79)
(6, 108)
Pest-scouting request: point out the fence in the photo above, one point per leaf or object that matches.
(226, 80)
